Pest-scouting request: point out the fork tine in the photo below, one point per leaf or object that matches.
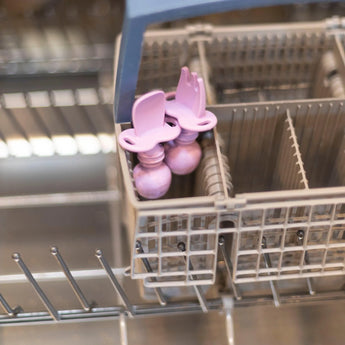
(184, 76)
(195, 82)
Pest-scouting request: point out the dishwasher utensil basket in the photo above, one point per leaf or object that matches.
(279, 96)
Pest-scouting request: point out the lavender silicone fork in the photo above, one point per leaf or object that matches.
(189, 108)
(152, 176)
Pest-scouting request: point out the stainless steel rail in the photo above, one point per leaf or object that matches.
(142, 310)
(15, 316)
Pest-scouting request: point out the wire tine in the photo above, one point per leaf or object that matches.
(198, 290)
(36, 116)
(123, 329)
(310, 286)
(273, 284)
(75, 287)
(115, 282)
(201, 297)
(11, 312)
(228, 266)
(87, 121)
(52, 311)
(300, 239)
(161, 298)
(13, 120)
(275, 293)
(228, 306)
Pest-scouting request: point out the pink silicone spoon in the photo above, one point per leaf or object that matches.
(189, 108)
(152, 176)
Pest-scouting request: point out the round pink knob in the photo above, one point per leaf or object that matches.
(153, 182)
(181, 158)
(152, 177)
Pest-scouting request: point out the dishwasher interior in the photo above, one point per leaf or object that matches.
(270, 270)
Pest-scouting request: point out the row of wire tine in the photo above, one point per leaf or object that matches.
(86, 305)
(129, 309)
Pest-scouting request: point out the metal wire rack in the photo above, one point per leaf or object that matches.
(45, 122)
(59, 37)
(89, 309)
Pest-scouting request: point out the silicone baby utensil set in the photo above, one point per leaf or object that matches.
(157, 120)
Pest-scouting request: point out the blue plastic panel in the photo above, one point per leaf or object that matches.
(140, 13)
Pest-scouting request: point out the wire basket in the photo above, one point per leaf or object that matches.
(281, 198)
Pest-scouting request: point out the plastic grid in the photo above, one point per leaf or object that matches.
(253, 137)
(250, 66)
(162, 58)
(160, 236)
(306, 239)
(244, 64)
(289, 171)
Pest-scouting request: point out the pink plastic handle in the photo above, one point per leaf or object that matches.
(191, 92)
(189, 105)
(150, 128)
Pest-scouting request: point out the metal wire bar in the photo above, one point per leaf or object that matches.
(201, 297)
(228, 304)
(229, 327)
(12, 119)
(52, 311)
(268, 264)
(55, 276)
(123, 329)
(75, 287)
(61, 118)
(111, 175)
(143, 310)
(228, 265)
(80, 315)
(11, 312)
(161, 298)
(114, 282)
(300, 240)
(91, 127)
(40, 200)
(198, 290)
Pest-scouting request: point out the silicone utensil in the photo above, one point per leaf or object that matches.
(152, 176)
(189, 108)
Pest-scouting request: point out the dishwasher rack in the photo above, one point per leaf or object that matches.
(248, 243)
(56, 122)
(256, 217)
(59, 37)
(284, 152)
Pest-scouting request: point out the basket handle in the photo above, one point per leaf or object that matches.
(139, 14)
